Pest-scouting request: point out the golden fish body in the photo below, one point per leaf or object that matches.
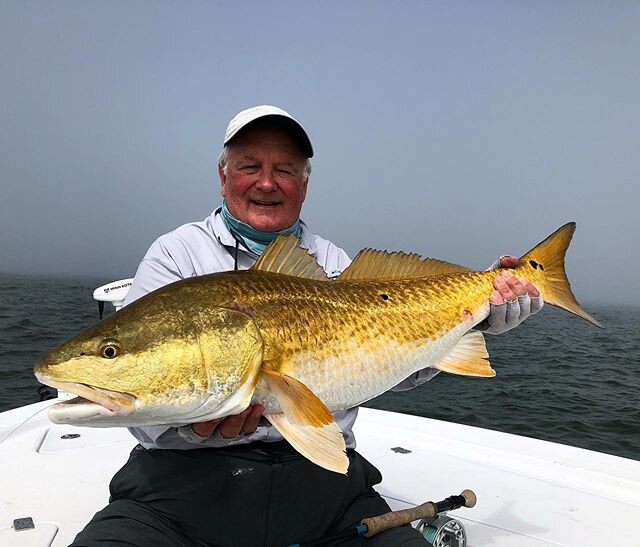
(283, 335)
(355, 340)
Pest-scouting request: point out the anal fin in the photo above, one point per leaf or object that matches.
(469, 357)
(306, 422)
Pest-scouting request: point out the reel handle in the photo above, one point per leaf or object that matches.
(427, 510)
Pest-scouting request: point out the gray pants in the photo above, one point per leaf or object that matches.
(263, 494)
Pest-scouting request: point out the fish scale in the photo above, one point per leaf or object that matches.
(353, 326)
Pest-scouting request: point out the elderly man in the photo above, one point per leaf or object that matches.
(235, 481)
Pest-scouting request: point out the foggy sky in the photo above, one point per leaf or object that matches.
(458, 130)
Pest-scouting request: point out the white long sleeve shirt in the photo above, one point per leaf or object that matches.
(200, 248)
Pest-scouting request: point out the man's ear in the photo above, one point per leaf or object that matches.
(223, 179)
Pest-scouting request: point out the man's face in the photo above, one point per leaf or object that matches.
(265, 184)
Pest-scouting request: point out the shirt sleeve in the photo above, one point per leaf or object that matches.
(416, 379)
(156, 270)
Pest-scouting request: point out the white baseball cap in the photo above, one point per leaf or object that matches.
(244, 118)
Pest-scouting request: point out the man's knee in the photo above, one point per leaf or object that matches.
(126, 523)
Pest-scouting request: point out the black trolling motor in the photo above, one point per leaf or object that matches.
(433, 528)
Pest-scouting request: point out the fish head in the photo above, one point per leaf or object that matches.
(154, 362)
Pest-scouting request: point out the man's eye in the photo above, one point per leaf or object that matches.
(285, 172)
(249, 168)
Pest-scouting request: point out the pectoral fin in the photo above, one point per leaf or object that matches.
(306, 422)
(469, 357)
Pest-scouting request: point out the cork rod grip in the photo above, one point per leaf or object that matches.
(427, 510)
(393, 519)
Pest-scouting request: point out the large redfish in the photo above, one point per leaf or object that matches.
(284, 335)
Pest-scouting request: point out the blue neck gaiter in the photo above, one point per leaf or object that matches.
(254, 240)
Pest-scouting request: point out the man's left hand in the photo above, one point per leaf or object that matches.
(512, 300)
(232, 426)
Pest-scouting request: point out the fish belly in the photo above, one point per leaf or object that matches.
(359, 372)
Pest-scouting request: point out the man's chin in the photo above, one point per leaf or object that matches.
(268, 220)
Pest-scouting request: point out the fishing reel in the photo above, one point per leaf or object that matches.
(443, 531)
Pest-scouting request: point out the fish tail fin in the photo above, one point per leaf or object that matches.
(544, 266)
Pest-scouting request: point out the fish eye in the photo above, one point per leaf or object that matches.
(110, 349)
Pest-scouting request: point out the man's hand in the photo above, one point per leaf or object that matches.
(507, 287)
(512, 300)
(230, 427)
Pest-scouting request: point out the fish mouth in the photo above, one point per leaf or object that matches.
(92, 402)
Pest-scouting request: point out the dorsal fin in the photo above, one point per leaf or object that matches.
(285, 256)
(370, 264)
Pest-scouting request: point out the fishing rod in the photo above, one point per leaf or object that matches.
(371, 526)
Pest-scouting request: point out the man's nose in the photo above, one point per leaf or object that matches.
(266, 182)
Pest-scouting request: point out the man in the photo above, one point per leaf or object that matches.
(234, 481)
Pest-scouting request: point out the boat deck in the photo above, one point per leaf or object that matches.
(530, 492)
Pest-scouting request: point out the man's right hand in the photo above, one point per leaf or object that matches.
(230, 427)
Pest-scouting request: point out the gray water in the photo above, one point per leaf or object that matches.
(558, 378)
